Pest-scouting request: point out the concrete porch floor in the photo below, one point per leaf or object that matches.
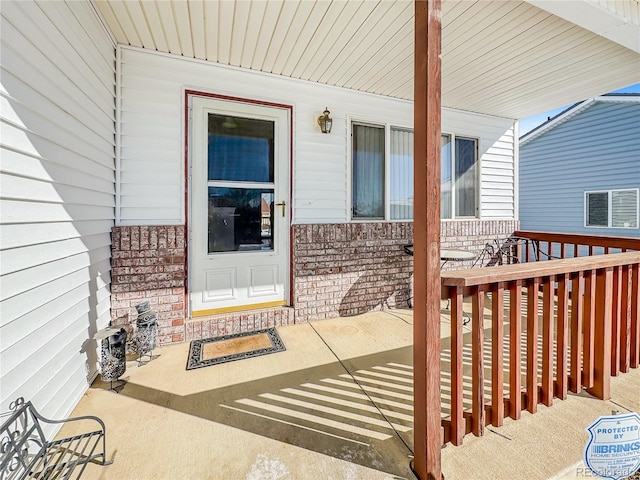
(337, 404)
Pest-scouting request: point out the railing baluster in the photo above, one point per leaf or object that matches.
(616, 305)
(515, 354)
(477, 362)
(596, 329)
(602, 335)
(562, 336)
(577, 309)
(532, 345)
(457, 408)
(589, 327)
(547, 340)
(497, 356)
(635, 316)
(595, 243)
(625, 320)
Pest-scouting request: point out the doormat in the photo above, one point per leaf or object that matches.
(212, 351)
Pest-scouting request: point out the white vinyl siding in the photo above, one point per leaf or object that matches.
(152, 140)
(57, 199)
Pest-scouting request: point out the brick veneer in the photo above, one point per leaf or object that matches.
(148, 263)
(238, 322)
(473, 235)
(338, 269)
(351, 268)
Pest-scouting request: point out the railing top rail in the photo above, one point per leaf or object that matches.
(579, 239)
(521, 271)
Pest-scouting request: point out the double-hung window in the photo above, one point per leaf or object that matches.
(368, 172)
(611, 208)
(458, 177)
(382, 174)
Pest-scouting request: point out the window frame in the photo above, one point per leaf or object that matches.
(610, 209)
(476, 171)
(388, 126)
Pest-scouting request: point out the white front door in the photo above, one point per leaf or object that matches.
(239, 206)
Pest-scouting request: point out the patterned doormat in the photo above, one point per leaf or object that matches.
(212, 351)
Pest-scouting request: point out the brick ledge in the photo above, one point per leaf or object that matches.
(212, 326)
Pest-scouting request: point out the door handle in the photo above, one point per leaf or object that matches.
(282, 204)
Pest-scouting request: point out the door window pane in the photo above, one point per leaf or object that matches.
(368, 172)
(598, 209)
(446, 178)
(401, 175)
(465, 177)
(240, 149)
(240, 219)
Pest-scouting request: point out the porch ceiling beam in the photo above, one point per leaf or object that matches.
(426, 312)
(619, 23)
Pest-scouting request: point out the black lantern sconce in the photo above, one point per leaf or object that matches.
(325, 121)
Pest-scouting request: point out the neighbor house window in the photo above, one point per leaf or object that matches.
(611, 208)
(459, 177)
(382, 178)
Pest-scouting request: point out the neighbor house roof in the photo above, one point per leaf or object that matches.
(575, 109)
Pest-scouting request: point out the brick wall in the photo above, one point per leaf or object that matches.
(351, 268)
(339, 270)
(148, 263)
(473, 235)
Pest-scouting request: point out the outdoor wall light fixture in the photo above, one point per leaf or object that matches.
(325, 121)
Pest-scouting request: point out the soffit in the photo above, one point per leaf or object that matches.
(505, 58)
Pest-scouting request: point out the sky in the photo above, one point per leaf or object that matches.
(528, 124)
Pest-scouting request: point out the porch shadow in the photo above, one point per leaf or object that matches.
(319, 409)
(371, 291)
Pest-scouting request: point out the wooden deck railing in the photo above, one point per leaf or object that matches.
(536, 246)
(577, 320)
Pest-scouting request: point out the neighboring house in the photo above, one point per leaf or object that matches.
(122, 181)
(580, 171)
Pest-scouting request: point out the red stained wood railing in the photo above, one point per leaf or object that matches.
(536, 246)
(577, 318)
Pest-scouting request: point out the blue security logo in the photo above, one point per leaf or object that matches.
(613, 450)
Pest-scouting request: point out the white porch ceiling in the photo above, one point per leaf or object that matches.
(506, 58)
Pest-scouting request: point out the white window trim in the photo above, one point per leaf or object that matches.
(476, 172)
(610, 210)
(387, 171)
(387, 168)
